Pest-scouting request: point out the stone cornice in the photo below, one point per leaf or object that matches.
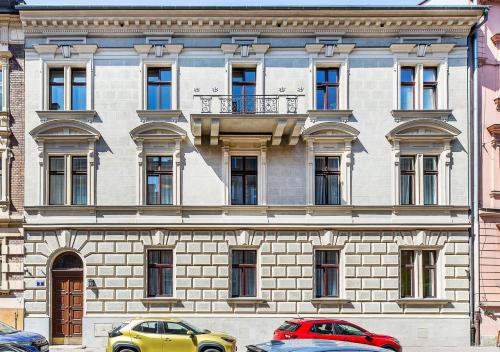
(286, 21)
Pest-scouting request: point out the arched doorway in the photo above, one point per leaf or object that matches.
(67, 299)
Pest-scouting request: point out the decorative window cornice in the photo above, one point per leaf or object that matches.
(155, 131)
(423, 129)
(65, 130)
(330, 131)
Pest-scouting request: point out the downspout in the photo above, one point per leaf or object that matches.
(475, 313)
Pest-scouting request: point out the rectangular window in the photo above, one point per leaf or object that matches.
(79, 180)
(407, 273)
(430, 180)
(244, 273)
(407, 180)
(159, 91)
(429, 273)
(327, 273)
(56, 89)
(56, 180)
(1, 178)
(243, 90)
(244, 180)
(327, 180)
(78, 89)
(407, 99)
(2, 107)
(160, 273)
(430, 88)
(159, 176)
(327, 88)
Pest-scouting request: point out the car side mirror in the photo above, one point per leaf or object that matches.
(190, 333)
(368, 337)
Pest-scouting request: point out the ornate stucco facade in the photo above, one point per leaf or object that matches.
(367, 131)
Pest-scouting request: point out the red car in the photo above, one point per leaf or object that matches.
(331, 329)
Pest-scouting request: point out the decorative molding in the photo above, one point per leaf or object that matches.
(423, 301)
(245, 300)
(413, 48)
(497, 103)
(496, 39)
(423, 129)
(330, 131)
(342, 115)
(152, 115)
(85, 115)
(330, 301)
(442, 114)
(65, 130)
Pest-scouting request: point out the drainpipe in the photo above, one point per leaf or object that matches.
(475, 313)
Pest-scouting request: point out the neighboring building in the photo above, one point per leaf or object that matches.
(11, 164)
(489, 165)
(240, 166)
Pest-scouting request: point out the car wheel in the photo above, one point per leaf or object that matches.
(390, 348)
(211, 350)
(126, 350)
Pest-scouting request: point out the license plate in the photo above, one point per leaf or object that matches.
(44, 348)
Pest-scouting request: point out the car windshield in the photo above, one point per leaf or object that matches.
(6, 329)
(193, 328)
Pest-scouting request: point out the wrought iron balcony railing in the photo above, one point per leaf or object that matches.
(248, 104)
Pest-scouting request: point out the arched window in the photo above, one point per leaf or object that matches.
(67, 261)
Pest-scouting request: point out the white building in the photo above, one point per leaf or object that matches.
(237, 167)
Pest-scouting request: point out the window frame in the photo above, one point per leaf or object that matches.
(430, 84)
(244, 173)
(418, 273)
(326, 85)
(411, 84)
(171, 62)
(419, 174)
(411, 172)
(172, 266)
(51, 84)
(325, 267)
(68, 178)
(78, 84)
(158, 173)
(68, 67)
(327, 173)
(256, 267)
(158, 85)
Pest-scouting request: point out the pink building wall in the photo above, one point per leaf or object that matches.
(489, 115)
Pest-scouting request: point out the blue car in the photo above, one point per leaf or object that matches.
(27, 341)
(310, 345)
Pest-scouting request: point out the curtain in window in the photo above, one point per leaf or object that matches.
(2, 107)
(430, 180)
(160, 273)
(56, 181)
(78, 89)
(406, 179)
(406, 274)
(429, 273)
(333, 189)
(166, 189)
(327, 273)
(243, 273)
(79, 180)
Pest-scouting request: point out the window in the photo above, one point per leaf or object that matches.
(175, 329)
(327, 180)
(149, 327)
(327, 88)
(407, 88)
(159, 91)
(418, 272)
(288, 326)
(57, 180)
(160, 273)
(243, 90)
(348, 330)
(418, 173)
(430, 179)
(78, 89)
(430, 87)
(323, 329)
(243, 180)
(159, 177)
(79, 180)
(327, 273)
(407, 179)
(56, 89)
(67, 88)
(244, 273)
(2, 105)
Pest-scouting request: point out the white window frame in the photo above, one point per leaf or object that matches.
(171, 63)
(68, 182)
(419, 65)
(67, 67)
(146, 265)
(419, 175)
(258, 64)
(343, 67)
(342, 277)
(4, 62)
(258, 272)
(245, 146)
(418, 272)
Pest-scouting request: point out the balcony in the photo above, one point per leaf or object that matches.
(273, 115)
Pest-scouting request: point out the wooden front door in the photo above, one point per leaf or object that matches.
(67, 300)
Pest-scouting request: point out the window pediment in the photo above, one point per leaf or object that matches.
(330, 131)
(59, 129)
(423, 130)
(158, 131)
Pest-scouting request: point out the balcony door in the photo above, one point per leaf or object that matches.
(243, 90)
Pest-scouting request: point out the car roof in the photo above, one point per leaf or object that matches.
(155, 319)
(315, 320)
(313, 345)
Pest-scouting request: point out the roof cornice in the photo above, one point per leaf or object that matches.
(375, 21)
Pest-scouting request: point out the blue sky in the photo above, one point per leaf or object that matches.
(223, 2)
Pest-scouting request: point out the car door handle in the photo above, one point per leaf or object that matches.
(167, 339)
(137, 337)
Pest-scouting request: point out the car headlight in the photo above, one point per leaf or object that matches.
(228, 339)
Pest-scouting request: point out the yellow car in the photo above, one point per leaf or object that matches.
(166, 335)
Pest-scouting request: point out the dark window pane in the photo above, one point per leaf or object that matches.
(153, 75)
(149, 327)
(153, 189)
(430, 74)
(160, 273)
(56, 89)
(406, 273)
(251, 163)
(323, 329)
(244, 180)
(407, 74)
(243, 273)
(56, 76)
(429, 273)
(68, 260)
(429, 98)
(327, 181)
(237, 190)
(56, 180)
(327, 273)
(348, 330)
(166, 163)
(159, 89)
(237, 163)
(166, 195)
(320, 98)
(79, 180)
(407, 97)
(320, 76)
(159, 180)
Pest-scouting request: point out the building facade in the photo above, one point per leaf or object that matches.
(489, 166)
(11, 165)
(238, 167)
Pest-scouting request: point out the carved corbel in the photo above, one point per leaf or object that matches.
(140, 150)
(41, 152)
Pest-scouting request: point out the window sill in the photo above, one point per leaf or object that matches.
(342, 115)
(159, 300)
(154, 115)
(330, 301)
(82, 115)
(245, 300)
(442, 114)
(423, 301)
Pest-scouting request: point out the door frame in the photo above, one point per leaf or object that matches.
(50, 288)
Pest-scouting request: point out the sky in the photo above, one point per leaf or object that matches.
(223, 2)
